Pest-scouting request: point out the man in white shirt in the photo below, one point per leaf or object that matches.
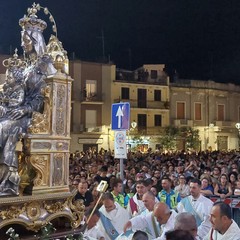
(145, 221)
(135, 205)
(165, 218)
(91, 230)
(223, 226)
(199, 206)
(112, 217)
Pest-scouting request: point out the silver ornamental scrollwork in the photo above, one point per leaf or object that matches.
(57, 176)
(41, 145)
(61, 93)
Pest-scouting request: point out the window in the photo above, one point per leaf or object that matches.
(125, 93)
(91, 119)
(198, 111)
(142, 98)
(142, 121)
(153, 74)
(220, 112)
(158, 120)
(180, 110)
(91, 88)
(157, 95)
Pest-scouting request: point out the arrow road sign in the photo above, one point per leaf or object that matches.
(120, 116)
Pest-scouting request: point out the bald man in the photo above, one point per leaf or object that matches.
(145, 221)
(187, 222)
(165, 218)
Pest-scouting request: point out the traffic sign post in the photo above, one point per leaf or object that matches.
(120, 123)
(120, 150)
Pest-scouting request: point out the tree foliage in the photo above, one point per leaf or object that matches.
(172, 134)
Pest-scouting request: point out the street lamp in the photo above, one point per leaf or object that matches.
(207, 135)
(237, 125)
(133, 124)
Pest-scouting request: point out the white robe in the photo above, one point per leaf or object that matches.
(118, 217)
(168, 226)
(140, 206)
(93, 233)
(203, 208)
(144, 223)
(233, 233)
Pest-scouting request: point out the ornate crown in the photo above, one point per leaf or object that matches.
(14, 61)
(32, 22)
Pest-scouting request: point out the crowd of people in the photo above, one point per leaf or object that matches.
(162, 195)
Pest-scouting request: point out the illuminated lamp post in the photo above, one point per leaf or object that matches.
(237, 125)
(133, 125)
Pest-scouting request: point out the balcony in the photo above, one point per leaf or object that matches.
(224, 124)
(146, 105)
(183, 123)
(91, 99)
(97, 129)
(141, 77)
(147, 131)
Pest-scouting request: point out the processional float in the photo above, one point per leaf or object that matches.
(34, 175)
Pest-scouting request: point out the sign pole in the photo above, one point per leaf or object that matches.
(121, 169)
(120, 123)
(120, 149)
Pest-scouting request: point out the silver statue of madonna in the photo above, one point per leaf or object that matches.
(15, 120)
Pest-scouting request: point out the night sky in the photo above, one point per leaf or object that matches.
(200, 39)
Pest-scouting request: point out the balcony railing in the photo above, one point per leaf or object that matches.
(141, 77)
(148, 131)
(91, 98)
(148, 104)
(183, 122)
(97, 129)
(224, 123)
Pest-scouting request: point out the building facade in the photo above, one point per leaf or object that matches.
(147, 91)
(97, 86)
(212, 108)
(91, 106)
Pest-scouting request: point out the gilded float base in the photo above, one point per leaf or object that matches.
(34, 212)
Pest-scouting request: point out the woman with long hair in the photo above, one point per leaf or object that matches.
(223, 188)
(233, 179)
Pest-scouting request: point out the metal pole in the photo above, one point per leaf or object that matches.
(121, 169)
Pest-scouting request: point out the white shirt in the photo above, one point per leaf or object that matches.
(93, 233)
(183, 190)
(140, 206)
(145, 223)
(168, 226)
(118, 217)
(202, 207)
(233, 233)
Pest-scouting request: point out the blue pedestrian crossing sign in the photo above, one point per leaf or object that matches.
(120, 116)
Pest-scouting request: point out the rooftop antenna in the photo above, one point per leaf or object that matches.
(103, 43)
